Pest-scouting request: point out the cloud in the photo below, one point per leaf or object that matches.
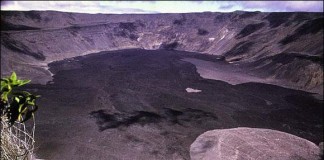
(226, 6)
(5, 3)
(118, 7)
(283, 6)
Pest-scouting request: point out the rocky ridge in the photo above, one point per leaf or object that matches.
(279, 46)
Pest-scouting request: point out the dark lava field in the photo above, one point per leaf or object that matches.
(133, 104)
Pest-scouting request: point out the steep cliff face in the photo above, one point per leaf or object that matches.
(279, 46)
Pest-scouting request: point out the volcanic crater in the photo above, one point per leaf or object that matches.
(115, 86)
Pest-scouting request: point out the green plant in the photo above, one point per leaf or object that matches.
(16, 106)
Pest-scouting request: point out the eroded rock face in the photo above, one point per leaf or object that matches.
(251, 143)
(279, 46)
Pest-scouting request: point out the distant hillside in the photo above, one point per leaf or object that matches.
(279, 46)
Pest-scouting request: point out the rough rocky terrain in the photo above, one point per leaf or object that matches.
(103, 99)
(133, 104)
(252, 143)
(279, 46)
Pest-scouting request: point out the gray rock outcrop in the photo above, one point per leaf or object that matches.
(252, 144)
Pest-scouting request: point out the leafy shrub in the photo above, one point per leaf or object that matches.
(16, 106)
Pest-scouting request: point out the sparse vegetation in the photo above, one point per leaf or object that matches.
(202, 32)
(16, 108)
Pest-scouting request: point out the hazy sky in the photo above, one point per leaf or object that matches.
(120, 7)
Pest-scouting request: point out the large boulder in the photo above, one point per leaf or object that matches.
(250, 144)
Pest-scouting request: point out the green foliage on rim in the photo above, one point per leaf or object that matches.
(16, 106)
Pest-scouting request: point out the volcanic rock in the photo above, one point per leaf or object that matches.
(251, 143)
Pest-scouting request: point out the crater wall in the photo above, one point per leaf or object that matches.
(279, 46)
